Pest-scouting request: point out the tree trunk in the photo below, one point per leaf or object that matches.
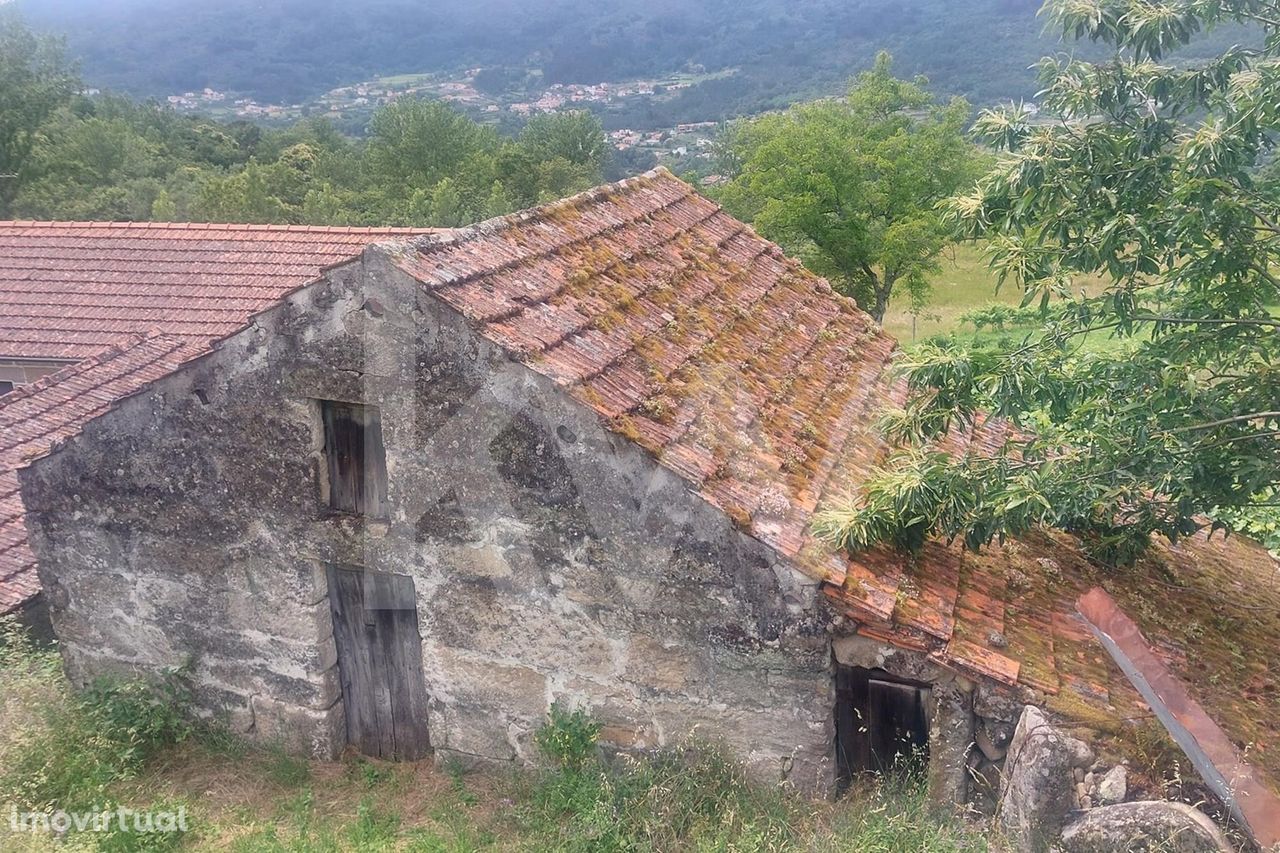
(883, 289)
(882, 305)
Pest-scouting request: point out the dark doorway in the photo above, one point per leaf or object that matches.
(375, 625)
(882, 723)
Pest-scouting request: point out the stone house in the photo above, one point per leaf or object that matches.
(572, 455)
(76, 301)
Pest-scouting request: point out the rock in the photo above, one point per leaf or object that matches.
(1114, 786)
(1143, 827)
(1039, 789)
(994, 702)
(984, 787)
(1079, 774)
(993, 740)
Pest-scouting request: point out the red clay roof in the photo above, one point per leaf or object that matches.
(54, 408)
(746, 375)
(67, 289)
(72, 290)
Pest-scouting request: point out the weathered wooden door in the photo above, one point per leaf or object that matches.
(898, 723)
(882, 724)
(375, 625)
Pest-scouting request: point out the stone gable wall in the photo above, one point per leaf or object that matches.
(553, 560)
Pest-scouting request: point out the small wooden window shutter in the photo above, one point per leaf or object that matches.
(356, 457)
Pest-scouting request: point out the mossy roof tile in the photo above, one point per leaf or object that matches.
(747, 376)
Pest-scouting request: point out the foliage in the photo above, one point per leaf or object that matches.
(35, 79)
(1261, 521)
(576, 137)
(94, 740)
(1148, 178)
(998, 317)
(690, 797)
(422, 164)
(568, 737)
(896, 814)
(852, 185)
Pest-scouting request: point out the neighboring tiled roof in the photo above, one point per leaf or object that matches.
(747, 376)
(36, 416)
(67, 289)
(70, 289)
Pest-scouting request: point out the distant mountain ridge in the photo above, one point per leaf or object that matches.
(289, 50)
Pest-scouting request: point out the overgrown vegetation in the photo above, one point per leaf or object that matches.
(65, 155)
(68, 752)
(1154, 178)
(130, 743)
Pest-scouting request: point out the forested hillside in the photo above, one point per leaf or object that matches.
(786, 50)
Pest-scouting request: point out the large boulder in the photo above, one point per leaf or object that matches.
(1114, 786)
(1039, 788)
(1143, 827)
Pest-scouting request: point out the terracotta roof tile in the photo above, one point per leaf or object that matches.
(748, 377)
(37, 416)
(68, 289)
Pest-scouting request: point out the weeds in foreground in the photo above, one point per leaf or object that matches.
(64, 752)
(116, 742)
(694, 797)
(94, 739)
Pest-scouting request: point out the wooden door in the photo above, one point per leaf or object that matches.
(898, 726)
(375, 625)
(881, 723)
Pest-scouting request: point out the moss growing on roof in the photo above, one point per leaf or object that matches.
(748, 377)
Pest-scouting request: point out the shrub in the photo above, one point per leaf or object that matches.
(690, 797)
(999, 317)
(94, 739)
(568, 737)
(895, 814)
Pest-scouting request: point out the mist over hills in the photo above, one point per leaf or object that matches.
(289, 50)
(292, 49)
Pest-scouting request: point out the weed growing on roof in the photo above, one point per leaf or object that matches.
(626, 427)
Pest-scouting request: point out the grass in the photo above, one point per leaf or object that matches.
(964, 284)
(244, 799)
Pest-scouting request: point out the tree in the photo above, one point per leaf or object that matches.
(418, 143)
(163, 209)
(852, 185)
(88, 168)
(575, 136)
(35, 79)
(1148, 177)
